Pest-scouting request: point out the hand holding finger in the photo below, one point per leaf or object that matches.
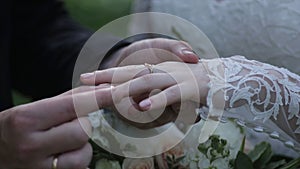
(32, 133)
(157, 50)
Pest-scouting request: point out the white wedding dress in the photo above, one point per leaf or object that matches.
(267, 31)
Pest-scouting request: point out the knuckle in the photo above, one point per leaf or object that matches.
(25, 151)
(103, 97)
(143, 44)
(80, 135)
(70, 104)
(19, 120)
(155, 43)
(113, 90)
(173, 93)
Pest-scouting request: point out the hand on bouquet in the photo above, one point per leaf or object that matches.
(35, 134)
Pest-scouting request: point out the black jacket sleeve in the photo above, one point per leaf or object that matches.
(45, 46)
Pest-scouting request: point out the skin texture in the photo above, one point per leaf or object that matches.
(175, 82)
(151, 51)
(32, 135)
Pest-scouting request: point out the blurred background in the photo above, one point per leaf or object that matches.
(92, 14)
(95, 13)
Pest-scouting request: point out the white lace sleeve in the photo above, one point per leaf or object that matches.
(269, 92)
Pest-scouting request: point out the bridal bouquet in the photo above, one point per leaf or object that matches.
(226, 148)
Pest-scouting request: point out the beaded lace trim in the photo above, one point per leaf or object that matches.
(267, 90)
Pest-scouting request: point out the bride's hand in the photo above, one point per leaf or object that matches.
(169, 83)
(151, 51)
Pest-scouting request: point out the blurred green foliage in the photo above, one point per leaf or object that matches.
(93, 14)
(18, 98)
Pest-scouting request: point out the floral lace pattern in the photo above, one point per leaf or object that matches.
(267, 90)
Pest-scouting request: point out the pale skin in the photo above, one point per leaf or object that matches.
(177, 83)
(32, 135)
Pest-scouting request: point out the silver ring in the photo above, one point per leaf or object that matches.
(150, 67)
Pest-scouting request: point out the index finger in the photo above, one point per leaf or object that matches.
(113, 75)
(58, 110)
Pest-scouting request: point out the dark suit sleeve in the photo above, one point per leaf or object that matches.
(45, 46)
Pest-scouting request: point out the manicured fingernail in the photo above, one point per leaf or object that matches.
(87, 75)
(145, 103)
(187, 52)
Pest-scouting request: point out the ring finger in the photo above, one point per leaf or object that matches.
(78, 159)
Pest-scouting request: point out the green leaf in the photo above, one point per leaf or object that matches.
(169, 159)
(259, 151)
(276, 164)
(278, 157)
(242, 161)
(265, 157)
(292, 164)
(202, 148)
(179, 159)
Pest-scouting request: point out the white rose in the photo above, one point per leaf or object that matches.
(168, 136)
(138, 163)
(203, 163)
(221, 163)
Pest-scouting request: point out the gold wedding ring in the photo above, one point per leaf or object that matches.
(150, 67)
(54, 163)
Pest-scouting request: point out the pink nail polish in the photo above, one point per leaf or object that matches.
(145, 103)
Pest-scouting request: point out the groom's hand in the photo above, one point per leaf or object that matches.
(152, 51)
(32, 135)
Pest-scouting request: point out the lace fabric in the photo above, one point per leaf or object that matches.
(269, 92)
